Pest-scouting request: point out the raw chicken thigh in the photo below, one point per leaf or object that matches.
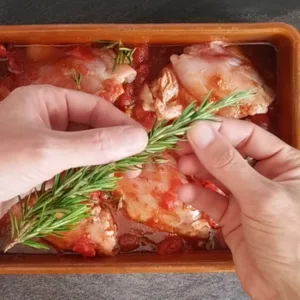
(81, 68)
(151, 198)
(202, 68)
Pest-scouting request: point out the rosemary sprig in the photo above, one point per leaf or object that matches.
(76, 76)
(124, 54)
(63, 206)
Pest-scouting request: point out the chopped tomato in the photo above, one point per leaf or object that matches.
(85, 248)
(82, 52)
(169, 199)
(112, 89)
(97, 195)
(141, 53)
(172, 244)
(145, 118)
(14, 63)
(129, 242)
(127, 97)
(143, 71)
(3, 51)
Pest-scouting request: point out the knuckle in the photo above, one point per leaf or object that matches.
(224, 159)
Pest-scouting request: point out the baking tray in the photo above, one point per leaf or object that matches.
(283, 37)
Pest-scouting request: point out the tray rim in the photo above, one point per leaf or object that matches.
(187, 263)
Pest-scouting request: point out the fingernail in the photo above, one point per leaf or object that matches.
(136, 138)
(201, 135)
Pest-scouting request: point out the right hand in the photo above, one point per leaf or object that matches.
(260, 218)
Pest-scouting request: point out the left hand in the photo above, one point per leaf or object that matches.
(37, 142)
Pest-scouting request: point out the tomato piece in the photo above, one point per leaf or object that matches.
(141, 53)
(129, 242)
(143, 70)
(85, 248)
(127, 98)
(112, 89)
(170, 245)
(97, 195)
(82, 52)
(145, 118)
(15, 62)
(169, 200)
(3, 51)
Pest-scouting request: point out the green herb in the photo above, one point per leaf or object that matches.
(124, 54)
(76, 76)
(63, 206)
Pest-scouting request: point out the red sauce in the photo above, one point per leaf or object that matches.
(85, 248)
(82, 52)
(3, 51)
(129, 242)
(172, 244)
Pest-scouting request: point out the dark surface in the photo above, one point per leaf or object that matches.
(199, 286)
(153, 11)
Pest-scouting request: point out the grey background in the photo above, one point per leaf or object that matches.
(140, 286)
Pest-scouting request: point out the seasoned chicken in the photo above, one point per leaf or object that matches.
(202, 68)
(151, 198)
(96, 235)
(83, 68)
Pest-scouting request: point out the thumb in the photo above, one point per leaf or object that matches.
(94, 147)
(224, 162)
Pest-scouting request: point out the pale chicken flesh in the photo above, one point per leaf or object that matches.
(151, 198)
(201, 69)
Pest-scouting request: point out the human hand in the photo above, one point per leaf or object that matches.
(45, 130)
(260, 218)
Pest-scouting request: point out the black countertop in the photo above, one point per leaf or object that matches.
(139, 286)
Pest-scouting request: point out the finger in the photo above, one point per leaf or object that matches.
(283, 166)
(212, 203)
(223, 161)
(66, 150)
(249, 139)
(62, 106)
(183, 148)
